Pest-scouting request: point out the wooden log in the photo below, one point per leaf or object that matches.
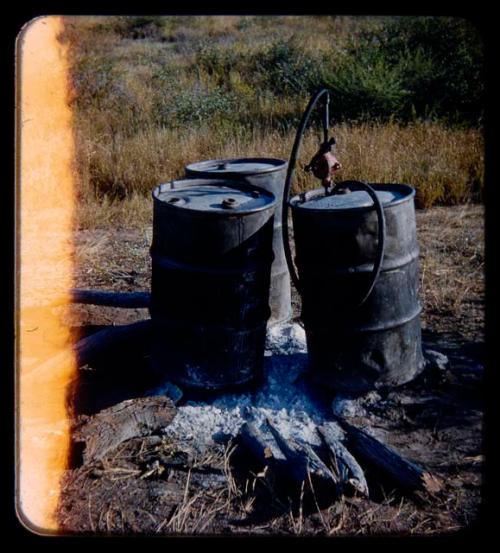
(262, 445)
(348, 470)
(284, 457)
(402, 472)
(127, 300)
(301, 459)
(132, 418)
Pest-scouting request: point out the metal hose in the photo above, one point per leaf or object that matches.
(359, 184)
(291, 167)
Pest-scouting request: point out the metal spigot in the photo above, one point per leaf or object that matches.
(324, 164)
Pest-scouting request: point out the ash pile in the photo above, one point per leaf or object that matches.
(287, 434)
(295, 430)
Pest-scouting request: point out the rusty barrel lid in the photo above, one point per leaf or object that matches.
(214, 196)
(388, 194)
(237, 166)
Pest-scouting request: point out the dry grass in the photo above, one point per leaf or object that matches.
(452, 268)
(128, 141)
(442, 164)
(134, 212)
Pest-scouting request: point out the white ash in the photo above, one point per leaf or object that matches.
(347, 406)
(282, 399)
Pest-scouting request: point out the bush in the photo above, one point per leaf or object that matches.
(92, 82)
(196, 106)
(441, 61)
(141, 27)
(368, 87)
(414, 68)
(217, 62)
(286, 69)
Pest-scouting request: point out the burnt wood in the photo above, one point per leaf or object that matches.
(261, 444)
(88, 348)
(347, 468)
(386, 460)
(301, 458)
(284, 456)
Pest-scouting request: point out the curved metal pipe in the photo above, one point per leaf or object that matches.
(127, 300)
(359, 184)
(291, 167)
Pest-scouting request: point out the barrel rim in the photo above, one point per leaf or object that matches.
(236, 184)
(296, 203)
(198, 166)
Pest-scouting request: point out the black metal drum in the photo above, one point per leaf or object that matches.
(360, 304)
(267, 173)
(211, 269)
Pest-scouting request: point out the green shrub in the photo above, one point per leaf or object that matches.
(286, 69)
(444, 64)
(244, 23)
(366, 87)
(440, 61)
(413, 68)
(196, 106)
(218, 62)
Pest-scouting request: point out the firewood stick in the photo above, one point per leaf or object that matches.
(284, 457)
(126, 300)
(114, 336)
(262, 445)
(301, 458)
(404, 473)
(348, 468)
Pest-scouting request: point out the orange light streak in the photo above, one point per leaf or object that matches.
(45, 270)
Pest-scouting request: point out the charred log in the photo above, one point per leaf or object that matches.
(284, 457)
(89, 348)
(348, 471)
(387, 461)
(301, 459)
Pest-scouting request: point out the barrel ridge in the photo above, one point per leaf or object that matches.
(210, 289)
(356, 347)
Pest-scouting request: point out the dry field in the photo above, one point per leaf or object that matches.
(148, 485)
(150, 96)
(132, 89)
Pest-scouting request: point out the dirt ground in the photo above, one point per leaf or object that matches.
(149, 485)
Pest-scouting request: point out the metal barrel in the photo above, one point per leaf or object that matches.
(267, 173)
(211, 267)
(355, 345)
